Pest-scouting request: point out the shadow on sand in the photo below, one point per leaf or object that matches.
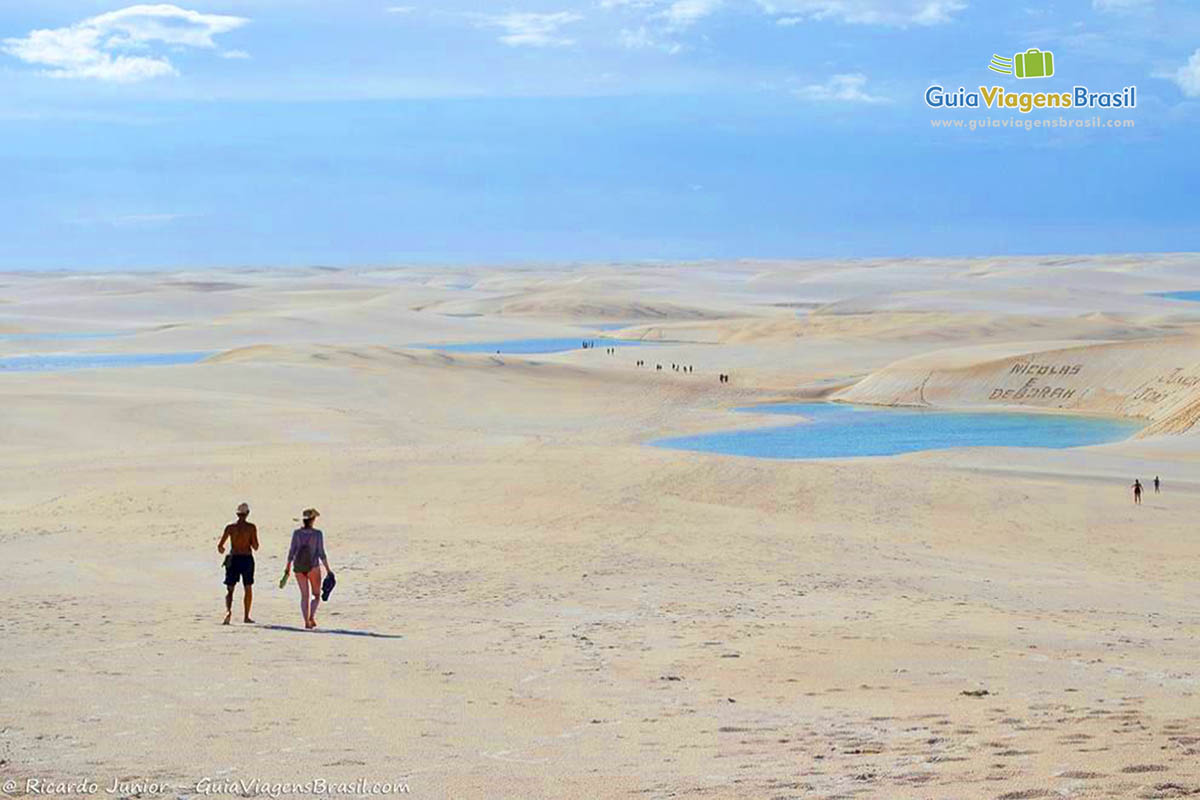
(337, 631)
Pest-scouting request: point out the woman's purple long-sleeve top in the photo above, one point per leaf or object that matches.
(311, 537)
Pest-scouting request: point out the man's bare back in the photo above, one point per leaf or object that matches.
(242, 536)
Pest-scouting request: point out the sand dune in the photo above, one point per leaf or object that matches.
(1156, 380)
(925, 327)
(533, 603)
(573, 305)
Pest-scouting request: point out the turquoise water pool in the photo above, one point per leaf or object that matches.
(530, 346)
(832, 430)
(34, 337)
(58, 363)
(1192, 296)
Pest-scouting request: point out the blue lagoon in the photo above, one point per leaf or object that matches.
(832, 430)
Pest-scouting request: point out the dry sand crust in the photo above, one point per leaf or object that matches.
(533, 603)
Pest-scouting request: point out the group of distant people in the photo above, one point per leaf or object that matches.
(684, 368)
(687, 369)
(674, 367)
(590, 344)
(1137, 489)
(305, 557)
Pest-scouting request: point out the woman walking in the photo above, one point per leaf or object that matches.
(308, 548)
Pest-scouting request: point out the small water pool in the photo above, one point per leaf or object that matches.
(1191, 296)
(832, 430)
(531, 346)
(58, 363)
(52, 336)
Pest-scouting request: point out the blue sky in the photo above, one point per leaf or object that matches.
(291, 132)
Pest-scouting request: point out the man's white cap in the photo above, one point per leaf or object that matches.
(243, 508)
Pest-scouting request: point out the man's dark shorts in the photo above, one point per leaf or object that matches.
(240, 566)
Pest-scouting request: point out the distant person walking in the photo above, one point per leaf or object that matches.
(1156, 484)
(307, 549)
(239, 564)
(1137, 492)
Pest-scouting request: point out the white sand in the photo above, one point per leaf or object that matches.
(532, 603)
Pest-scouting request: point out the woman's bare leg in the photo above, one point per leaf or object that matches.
(302, 581)
(314, 579)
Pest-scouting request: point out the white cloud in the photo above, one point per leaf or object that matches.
(642, 38)
(655, 24)
(115, 46)
(848, 88)
(148, 219)
(530, 29)
(137, 221)
(1121, 6)
(1188, 76)
(685, 13)
(894, 13)
(235, 54)
(401, 9)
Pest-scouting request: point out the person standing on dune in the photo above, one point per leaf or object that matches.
(1137, 491)
(1156, 484)
(243, 541)
(307, 549)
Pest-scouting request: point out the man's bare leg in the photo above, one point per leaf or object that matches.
(228, 604)
(247, 599)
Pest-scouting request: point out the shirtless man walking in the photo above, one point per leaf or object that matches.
(243, 541)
